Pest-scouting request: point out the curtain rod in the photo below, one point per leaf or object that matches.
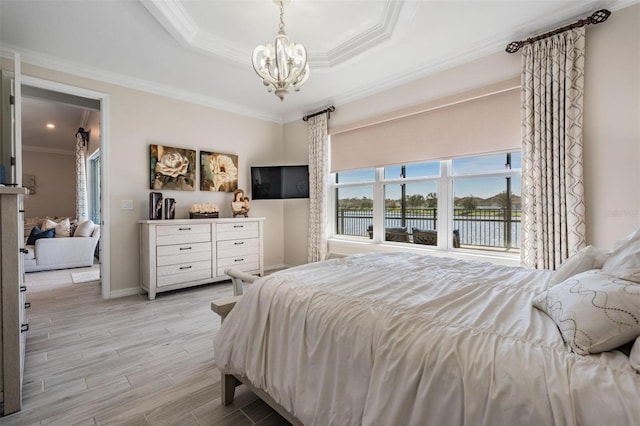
(595, 18)
(328, 110)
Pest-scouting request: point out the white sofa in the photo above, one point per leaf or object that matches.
(61, 253)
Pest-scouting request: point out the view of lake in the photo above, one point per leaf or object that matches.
(484, 227)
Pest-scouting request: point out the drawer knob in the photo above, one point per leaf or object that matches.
(239, 243)
(24, 327)
(186, 267)
(27, 305)
(23, 288)
(238, 260)
(185, 229)
(186, 248)
(238, 226)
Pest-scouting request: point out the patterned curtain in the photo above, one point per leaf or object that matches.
(553, 226)
(318, 177)
(81, 178)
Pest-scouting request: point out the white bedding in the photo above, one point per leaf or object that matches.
(405, 339)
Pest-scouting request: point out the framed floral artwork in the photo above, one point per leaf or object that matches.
(218, 172)
(172, 168)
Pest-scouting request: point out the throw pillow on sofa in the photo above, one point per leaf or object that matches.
(62, 227)
(84, 229)
(37, 233)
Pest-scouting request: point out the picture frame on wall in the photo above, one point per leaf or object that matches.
(172, 168)
(218, 172)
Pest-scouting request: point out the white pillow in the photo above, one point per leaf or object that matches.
(62, 227)
(84, 229)
(624, 261)
(594, 311)
(586, 259)
(634, 356)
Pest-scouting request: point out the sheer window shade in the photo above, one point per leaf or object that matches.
(481, 125)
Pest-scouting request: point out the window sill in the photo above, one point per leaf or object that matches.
(346, 245)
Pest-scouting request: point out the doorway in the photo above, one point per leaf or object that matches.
(92, 107)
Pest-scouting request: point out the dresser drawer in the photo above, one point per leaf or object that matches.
(184, 257)
(238, 261)
(178, 249)
(173, 274)
(232, 248)
(180, 234)
(235, 231)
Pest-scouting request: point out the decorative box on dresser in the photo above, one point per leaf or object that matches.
(13, 295)
(182, 253)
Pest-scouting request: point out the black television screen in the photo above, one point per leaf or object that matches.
(279, 182)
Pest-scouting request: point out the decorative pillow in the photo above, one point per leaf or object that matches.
(634, 356)
(84, 229)
(624, 261)
(62, 227)
(594, 311)
(586, 259)
(37, 233)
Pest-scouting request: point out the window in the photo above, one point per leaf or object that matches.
(93, 186)
(474, 200)
(354, 200)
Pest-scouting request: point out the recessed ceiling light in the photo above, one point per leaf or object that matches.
(51, 126)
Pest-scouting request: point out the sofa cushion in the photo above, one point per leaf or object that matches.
(37, 233)
(84, 229)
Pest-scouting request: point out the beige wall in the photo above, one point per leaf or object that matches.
(611, 120)
(138, 119)
(296, 211)
(612, 127)
(55, 184)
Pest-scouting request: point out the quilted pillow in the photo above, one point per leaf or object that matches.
(594, 311)
(37, 233)
(624, 261)
(586, 259)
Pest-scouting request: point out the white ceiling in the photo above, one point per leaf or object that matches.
(200, 50)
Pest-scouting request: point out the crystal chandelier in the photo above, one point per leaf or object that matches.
(282, 65)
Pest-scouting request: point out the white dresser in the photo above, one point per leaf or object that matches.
(13, 292)
(186, 252)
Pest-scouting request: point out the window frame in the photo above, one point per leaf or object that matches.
(444, 184)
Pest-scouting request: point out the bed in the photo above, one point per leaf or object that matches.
(408, 339)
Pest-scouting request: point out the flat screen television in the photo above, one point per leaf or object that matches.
(279, 182)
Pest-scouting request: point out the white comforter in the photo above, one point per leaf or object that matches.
(404, 339)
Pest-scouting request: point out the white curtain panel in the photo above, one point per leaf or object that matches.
(317, 139)
(553, 209)
(82, 206)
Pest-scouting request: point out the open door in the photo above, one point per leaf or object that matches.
(16, 141)
(11, 147)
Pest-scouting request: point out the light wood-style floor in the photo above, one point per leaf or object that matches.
(127, 361)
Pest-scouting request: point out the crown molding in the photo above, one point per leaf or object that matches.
(179, 24)
(80, 70)
(483, 48)
(39, 149)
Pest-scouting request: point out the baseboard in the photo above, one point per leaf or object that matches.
(273, 268)
(114, 294)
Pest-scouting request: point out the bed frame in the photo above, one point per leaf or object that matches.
(229, 382)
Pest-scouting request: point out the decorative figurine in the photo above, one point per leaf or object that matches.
(240, 204)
